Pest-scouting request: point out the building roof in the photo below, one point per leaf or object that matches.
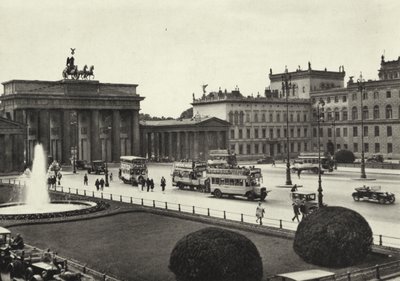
(196, 120)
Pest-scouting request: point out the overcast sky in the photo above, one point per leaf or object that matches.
(171, 48)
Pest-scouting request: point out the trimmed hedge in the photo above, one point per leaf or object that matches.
(215, 254)
(344, 156)
(333, 237)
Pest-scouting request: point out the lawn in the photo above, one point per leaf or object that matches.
(137, 246)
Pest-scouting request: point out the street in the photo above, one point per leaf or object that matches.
(337, 189)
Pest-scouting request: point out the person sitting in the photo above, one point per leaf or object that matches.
(18, 242)
(47, 257)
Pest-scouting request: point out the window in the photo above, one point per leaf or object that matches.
(240, 148)
(337, 132)
(376, 130)
(388, 111)
(236, 117)
(248, 149)
(345, 146)
(377, 147)
(338, 147)
(233, 148)
(389, 131)
(298, 132)
(279, 148)
(305, 118)
(256, 133)
(388, 94)
(314, 132)
(248, 133)
(298, 117)
(376, 95)
(278, 133)
(366, 147)
(328, 100)
(256, 148)
(240, 134)
(355, 132)
(271, 133)
(321, 132)
(291, 117)
(305, 132)
(337, 115)
(344, 115)
(255, 117)
(365, 131)
(354, 96)
(292, 133)
(232, 134)
(298, 146)
(345, 132)
(344, 98)
(365, 95)
(354, 113)
(365, 112)
(292, 147)
(376, 112)
(264, 148)
(329, 132)
(231, 117)
(278, 117)
(263, 117)
(336, 99)
(355, 147)
(271, 117)
(241, 116)
(305, 147)
(264, 133)
(248, 117)
(389, 148)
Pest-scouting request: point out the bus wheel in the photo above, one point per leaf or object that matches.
(180, 186)
(250, 196)
(315, 170)
(218, 193)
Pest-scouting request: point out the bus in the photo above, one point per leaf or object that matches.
(309, 162)
(239, 181)
(221, 158)
(190, 174)
(133, 169)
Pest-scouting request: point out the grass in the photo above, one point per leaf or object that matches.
(137, 246)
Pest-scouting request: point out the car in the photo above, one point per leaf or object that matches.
(81, 164)
(5, 253)
(306, 198)
(97, 167)
(375, 158)
(265, 160)
(373, 193)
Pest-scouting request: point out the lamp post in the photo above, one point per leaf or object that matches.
(319, 104)
(286, 85)
(334, 142)
(106, 142)
(361, 88)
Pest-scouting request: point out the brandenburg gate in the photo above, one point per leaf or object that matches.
(100, 121)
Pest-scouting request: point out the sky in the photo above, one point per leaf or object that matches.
(171, 48)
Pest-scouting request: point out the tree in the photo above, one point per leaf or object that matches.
(188, 113)
(344, 156)
(215, 254)
(333, 237)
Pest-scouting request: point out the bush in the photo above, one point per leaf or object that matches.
(344, 156)
(215, 254)
(333, 237)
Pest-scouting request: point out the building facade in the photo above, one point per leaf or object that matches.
(90, 119)
(258, 124)
(12, 138)
(172, 140)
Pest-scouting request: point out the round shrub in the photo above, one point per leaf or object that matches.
(215, 254)
(344, 156)
(333, 237)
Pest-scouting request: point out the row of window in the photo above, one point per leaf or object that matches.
(377, 148)
(238, 117)
(335, 115)
(376, 95)
(261, 148)
(337, 132)
(273, 133)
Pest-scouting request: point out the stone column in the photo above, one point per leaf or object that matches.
(116, 136)
(44, 130)
(178, 146)
(66, 137)
(187, 146)
(196, 145)
(144, 143)
(8, 153)
(95, 142)
(135, 133)
(162, 145)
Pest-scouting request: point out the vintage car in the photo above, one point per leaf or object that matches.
(373, 193)
(265, 160)
(82, 164)
(97, 167)
(375, 158)
(5, 253)
(306, 198)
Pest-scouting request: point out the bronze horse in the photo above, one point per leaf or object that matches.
(74, 73)
(90, 72)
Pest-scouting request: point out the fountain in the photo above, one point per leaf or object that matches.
(37, 202)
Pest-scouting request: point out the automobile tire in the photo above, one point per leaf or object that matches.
(374, 197)
(180, 186)
(315, 170)
(218, 193)
(382, 200)
(392, 199)
(250, 196)
(356, 198)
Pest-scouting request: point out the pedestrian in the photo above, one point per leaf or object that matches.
(273, 162)
(143, 181)
(148, 184)
(85, 179)
(259, 213)
(152, 185)
(303, 210)
(296, 211)
(111, 176)
(294, 188)
(102, 183)
(298, 173)
(59, 178)
(97, 184)
(163, 184)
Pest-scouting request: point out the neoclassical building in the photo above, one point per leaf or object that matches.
(12, 138)
(190, 138)
(97, 120)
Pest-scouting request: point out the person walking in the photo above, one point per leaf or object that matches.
(102, 184)
(85, 179)
(59, 176)
(298, 173)
(296, 211)
(148, 183)
(97, 184)
(163, 183)
(152, 185)
(294, 188)
(111, 177)
(273, 162)
(260, 213)
(142, 182)
(303, 210)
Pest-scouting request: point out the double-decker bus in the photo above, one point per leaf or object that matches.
(133, 169)
(221, 158)
(190, 174)
(238, 181)
(309, 162)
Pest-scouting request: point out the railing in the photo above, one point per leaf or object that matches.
(381, 240)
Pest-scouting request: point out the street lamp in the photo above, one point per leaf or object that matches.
(334, 142)
(286, 85)
(321, 104)
(106, 141)
(361, 88)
